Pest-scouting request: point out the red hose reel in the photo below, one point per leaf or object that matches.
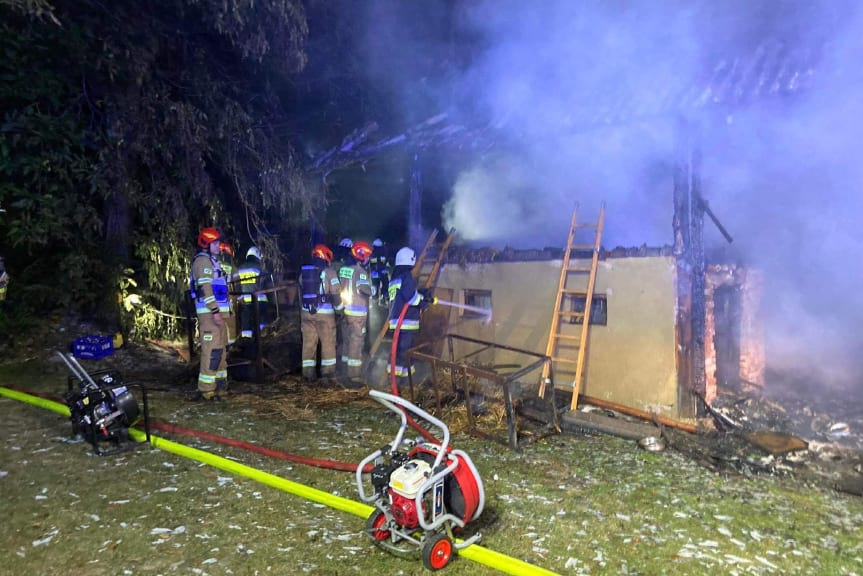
(422, 491)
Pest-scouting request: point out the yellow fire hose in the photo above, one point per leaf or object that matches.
(475, 552)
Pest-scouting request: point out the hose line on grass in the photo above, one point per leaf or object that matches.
(474, 552)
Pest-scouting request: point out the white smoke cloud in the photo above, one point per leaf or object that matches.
(782, 174)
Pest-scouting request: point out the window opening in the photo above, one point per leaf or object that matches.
(479, 299)
(598, 309)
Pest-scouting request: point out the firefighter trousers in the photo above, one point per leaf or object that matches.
(355, 339)
(315, 328)
(213, 373)
(405, 343)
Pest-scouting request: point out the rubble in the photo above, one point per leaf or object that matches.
(820, 444)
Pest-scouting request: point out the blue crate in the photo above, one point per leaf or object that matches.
(93, 347)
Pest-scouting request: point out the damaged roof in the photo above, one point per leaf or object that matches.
(485, 255)
(772, 70)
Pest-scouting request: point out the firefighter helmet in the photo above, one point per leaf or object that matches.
(207, 236)
(361, 251)
(377, 243)
(346, 243)
(253, 251)
(322, 252)
(226, 248)
(406, 257)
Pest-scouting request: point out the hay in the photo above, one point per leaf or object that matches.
(299, 401)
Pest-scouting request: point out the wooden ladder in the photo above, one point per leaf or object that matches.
(571, 286)
(425, 271)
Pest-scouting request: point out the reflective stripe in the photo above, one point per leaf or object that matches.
(206, 379)
(415, 299)
(406, 324)
(328, 362)
(247, 298)
(322, 309)
(401, 370)
(356, 310)
(309, 363)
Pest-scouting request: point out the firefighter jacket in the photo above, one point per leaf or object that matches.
(403, 290)
(356, 289)
(321, 289)
(378, 263)
(209, 285)
(250, 278)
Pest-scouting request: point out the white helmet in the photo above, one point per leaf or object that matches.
(253, 251)
(377, 243)
(406, 257)
(346, 243)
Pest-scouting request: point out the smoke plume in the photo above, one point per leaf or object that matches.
(578, 92)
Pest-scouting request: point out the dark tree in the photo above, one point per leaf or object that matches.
(127, 125)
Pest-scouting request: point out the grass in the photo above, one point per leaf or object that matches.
(572, 505)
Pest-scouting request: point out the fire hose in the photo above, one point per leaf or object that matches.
(475, 552)
(393, 378)
(248, 446)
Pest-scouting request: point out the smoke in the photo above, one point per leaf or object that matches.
(572, 89)
(781, 175)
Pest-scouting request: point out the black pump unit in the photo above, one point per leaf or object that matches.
(102, 408)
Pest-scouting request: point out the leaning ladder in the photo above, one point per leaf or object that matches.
(560, 343)
(425, 271)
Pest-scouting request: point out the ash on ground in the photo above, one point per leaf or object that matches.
(809, 438)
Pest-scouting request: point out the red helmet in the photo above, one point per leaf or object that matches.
(322, 252)
(207, 236)
(361, 251)
(226, 248)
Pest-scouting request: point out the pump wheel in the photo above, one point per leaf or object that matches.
(437, 551)
(374, 526)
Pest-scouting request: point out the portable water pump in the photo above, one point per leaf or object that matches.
(102, 409)
(421, 491)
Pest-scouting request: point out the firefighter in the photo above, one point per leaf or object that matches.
(250, 278)
(403, 292)
(209, 289)
(380, 273)
(4, 280)
(226, 256)
(342, 257)
(321, 299)
(356, 290)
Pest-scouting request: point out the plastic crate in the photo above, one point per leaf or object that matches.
(93, 347)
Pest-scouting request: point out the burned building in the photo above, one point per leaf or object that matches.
(633, 351)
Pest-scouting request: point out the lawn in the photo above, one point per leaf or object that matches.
(568, 504)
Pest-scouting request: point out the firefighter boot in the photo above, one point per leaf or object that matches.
(199, 396)
(221, 389)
